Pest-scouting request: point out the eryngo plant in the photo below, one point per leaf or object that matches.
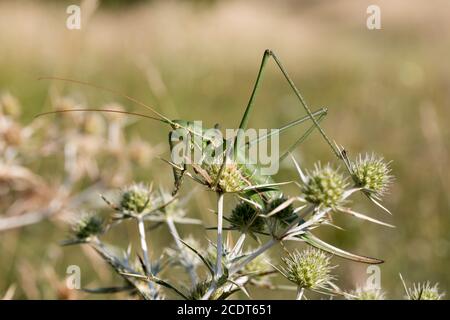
(272, 221)
(264, 212)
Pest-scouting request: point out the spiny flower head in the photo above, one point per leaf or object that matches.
(424, 291)
(245, 217)
(309, 269)
(365, 293)
(136, 198)
(88, 225)
(372, 173)
(324, 186)
(231, 178)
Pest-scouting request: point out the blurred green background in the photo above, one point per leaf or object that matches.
(387, 91)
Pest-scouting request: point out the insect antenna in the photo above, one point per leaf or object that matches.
(100, 110)
(125, 96)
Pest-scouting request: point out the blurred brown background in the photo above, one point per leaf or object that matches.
(387, 91)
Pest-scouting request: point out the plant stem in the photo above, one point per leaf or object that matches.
(190, 266)
(253, 255)
(218, 271)
(238, 246)
(219, 236)
(300, 291)
(144, 247)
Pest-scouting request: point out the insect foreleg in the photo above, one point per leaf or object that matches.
(177, 173)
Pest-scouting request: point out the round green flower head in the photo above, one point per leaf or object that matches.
(309, 269)
(136, 198)
(372, 173)
(88, 225)
(424, 291)
(231, 179)
(325, 187)
(244, 217)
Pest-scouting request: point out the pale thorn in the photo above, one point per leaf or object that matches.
(328, 223)
(281, 207)
(349, 192)
(303, 226)
(364, 217)
(404, 284)
(266, 185)
(183, 220)
(379, 205)
(300, 172)
(255, 204)
(229, 240)
(296, 210)
(237, 249)
(240, 286)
